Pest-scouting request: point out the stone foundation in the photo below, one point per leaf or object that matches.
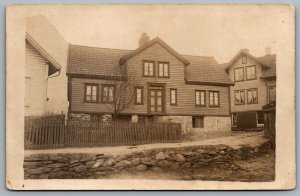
(82, 166)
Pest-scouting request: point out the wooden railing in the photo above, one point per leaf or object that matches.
(47, 133)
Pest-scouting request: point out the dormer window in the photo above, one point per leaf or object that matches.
(163, 70)
(148, 68)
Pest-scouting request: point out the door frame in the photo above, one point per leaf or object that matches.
(163, 85)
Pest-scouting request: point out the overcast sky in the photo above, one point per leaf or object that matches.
(203, 31)
(195, 30)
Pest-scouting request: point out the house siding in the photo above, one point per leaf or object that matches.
(258, 83)
(185, 92)
(36, 70)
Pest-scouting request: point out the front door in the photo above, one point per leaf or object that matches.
(156, 99)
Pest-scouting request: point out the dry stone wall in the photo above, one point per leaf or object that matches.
(82, 166)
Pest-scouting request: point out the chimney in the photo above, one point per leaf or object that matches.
(143, 39)
(246, 50)
(268, 51)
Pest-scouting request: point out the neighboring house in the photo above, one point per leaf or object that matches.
(170, 87)
(254, 86)
(45, 52)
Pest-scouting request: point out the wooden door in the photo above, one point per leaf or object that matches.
(156, 99)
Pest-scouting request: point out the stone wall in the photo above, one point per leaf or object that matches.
(81, 166)
(215, 124)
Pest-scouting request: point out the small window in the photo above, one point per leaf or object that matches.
(200, 98)
(173, 96)
(251, 72)
(163, 70)
(214, 99)
(27, 91)
(139, 95)
(244, 60)
(272, 93)
(91, 92)
(148, 69)
(234, 119)
(260, 118)
(238, 74)
(239, 97)
(108, 92)
(198, 122)
(252, 96)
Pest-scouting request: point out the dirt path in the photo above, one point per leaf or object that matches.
(234, 141)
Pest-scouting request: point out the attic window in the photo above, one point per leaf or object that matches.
(244, 60)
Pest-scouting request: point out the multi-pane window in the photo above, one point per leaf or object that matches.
(251, 72)
(252, 96)
(148, 68)
(200, 98)
(272, 93)
(239, 97)
(198, 122)
(163, 69)
(234, 119)
(108, 92)
(91, 92)
(139, 95)
(239, 74)
(213, 98)
(173, 96)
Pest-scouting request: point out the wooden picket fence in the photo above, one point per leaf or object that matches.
(88, 134)
(55, 132)
(44, 132)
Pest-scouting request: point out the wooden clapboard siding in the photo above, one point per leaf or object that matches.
(36, 69)
(185, 92)
(248, 84)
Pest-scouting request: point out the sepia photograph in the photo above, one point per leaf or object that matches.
(151, 93)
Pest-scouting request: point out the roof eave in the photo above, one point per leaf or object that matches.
(52, 62)
(208, 83)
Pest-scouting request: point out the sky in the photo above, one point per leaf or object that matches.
(195, 30)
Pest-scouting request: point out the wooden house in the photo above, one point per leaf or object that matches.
(169, 87)
(254, 86)
(45, 54)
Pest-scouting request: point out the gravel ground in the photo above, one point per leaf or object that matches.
(234, 140)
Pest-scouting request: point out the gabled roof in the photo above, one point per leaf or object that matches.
(150, 43)
(47, 41)
(93, 61)
(238, 54)
(103, 63)
(268, 62)
(205, 70)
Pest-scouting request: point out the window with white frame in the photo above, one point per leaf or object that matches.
(108, 92)
(214, 99)
(139, 95)
(163, 70)
(239, 97)
(91, 93)
(252, 96)
(200, 98)
(239, 74)
(148, 68)
(173, 98)
(251, 72)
